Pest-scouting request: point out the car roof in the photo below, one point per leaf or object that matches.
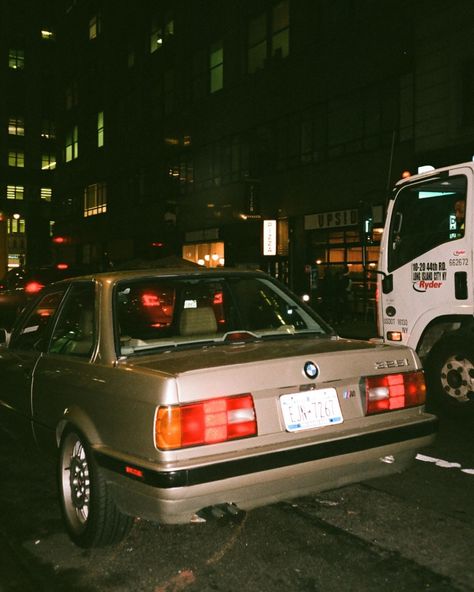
(119, 275)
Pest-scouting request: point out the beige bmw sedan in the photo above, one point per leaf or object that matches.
(178, 394)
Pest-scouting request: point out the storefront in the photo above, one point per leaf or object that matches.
(337, 239)
(252, 243)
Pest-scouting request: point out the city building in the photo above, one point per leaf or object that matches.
(27, 131)
(249, 132)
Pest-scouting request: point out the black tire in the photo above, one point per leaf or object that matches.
(91, 517)
(450, 374)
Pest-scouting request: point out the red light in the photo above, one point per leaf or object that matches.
(62, 266)
(33, 287)
(133, 471)
(205, 422)
(395, 391)
(218, 298)
(59, 240)
(406, 174)
(150, 299)
(156, 244)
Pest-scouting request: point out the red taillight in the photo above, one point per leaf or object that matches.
(33, 287)
(394, 391)
(62, 266)
(205, 422)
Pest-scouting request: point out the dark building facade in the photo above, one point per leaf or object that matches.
(27, 133)
(186, 126)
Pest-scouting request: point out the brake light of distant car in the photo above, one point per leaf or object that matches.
(33, 287)
(205, 422)
(394, 391)
(62, 266)
(150, 299)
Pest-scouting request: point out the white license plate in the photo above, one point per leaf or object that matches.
(311, 409)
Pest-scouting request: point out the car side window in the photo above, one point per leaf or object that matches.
(74, 334)
(33, 331)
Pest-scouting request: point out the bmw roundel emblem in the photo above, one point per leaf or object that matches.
(310, 369)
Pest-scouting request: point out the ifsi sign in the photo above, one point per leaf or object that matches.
(269, 237)
(331, 219)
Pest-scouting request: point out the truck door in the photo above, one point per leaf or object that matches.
(427, 254)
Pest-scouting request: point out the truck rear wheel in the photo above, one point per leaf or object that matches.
(450, 373)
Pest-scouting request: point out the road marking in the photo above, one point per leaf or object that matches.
(444, 464)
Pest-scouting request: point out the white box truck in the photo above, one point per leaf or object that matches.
(425, 285)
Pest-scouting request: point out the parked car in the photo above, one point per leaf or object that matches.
(22, 283)
(176, 394)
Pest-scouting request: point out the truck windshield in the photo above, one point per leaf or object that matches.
(426, 214)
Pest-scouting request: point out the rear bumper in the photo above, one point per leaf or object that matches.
(175, 496)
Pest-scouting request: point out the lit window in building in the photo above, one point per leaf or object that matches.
(47, 34)
(100, 129)
(216, 64)
(16, 59)
(72, 144)
(16, 158)
(280, 29)
(46, 193)
(16, 226)
(205, 254)
(95, 199)
(15, 192)
(48, 161)
(16, 126)
(156, 38)
(48, 129)
(161, 31)
(257, 43)
(169, 26)
(94, 26)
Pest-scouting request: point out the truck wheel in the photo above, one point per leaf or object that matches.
(90, 515)
(450, 373)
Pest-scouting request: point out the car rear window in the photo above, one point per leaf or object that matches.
(177, 311)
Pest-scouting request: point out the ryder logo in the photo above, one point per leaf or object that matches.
(424, 286)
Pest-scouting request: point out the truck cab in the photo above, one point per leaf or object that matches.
(425, 288)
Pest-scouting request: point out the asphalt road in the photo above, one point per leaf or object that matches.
(409, 532)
